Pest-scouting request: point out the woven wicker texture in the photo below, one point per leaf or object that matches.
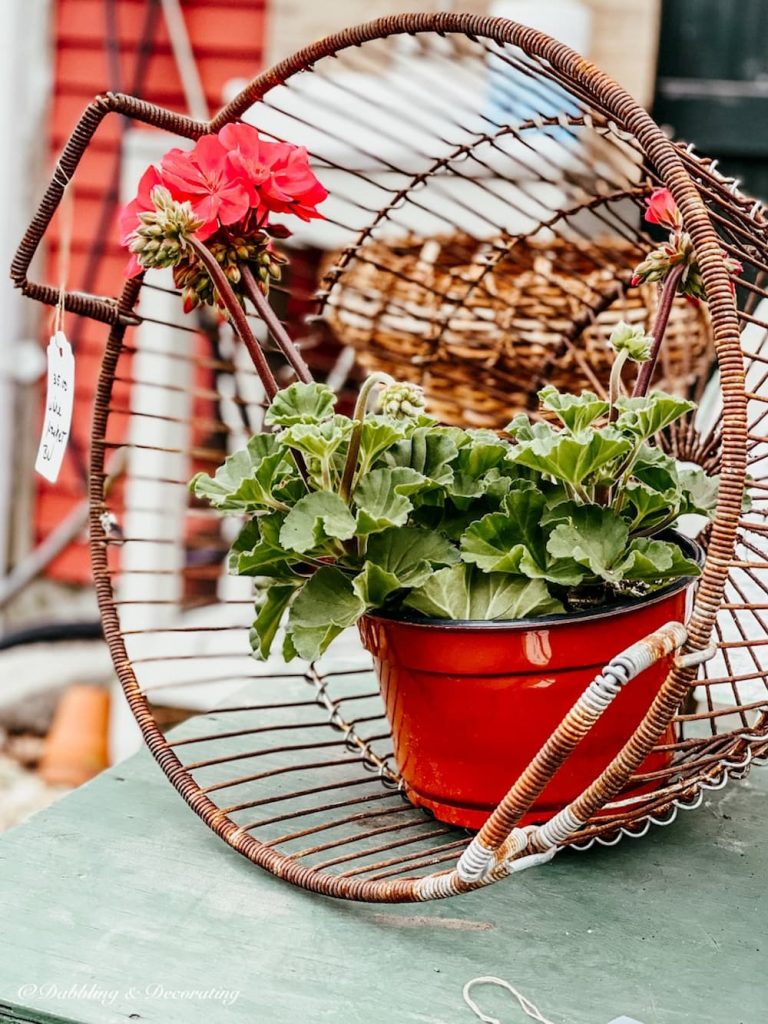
(481, 325)
(486, 194)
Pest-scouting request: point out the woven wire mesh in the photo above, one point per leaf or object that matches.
(523, 176)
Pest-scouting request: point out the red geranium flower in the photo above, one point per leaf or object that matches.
(233, 180)
(280, 173)
(291, 187)
(204, 177)
(662, 209)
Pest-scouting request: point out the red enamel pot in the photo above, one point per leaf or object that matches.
(470, 703)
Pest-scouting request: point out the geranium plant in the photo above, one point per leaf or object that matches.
(388, 510)
(398, 514)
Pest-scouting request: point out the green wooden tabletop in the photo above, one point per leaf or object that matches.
(118, 905)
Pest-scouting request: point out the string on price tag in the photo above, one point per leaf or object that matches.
(60, 391)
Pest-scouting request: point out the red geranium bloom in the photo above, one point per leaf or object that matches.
(204, 177)
(245, 158)
(129, 216)
(662, 209)
(291, 186)
(280, 173)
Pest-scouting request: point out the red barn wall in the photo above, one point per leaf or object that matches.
(227, 38)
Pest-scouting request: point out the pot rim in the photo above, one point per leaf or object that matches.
(692, 549)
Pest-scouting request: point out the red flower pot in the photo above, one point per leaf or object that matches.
(470, 703)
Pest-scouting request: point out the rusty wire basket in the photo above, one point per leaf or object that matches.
(421, 126)
(483, 324)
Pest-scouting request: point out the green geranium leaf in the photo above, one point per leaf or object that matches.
(410, 554)
(326, 605)
(515, 541)
(594, 537)
(374, 585)
(498, 542)
(267, 621)
(249, 536)
(476, 468)
(523, 429)
(314, 518)
(248, 478)
(464, 592)
(646, 416)
(575, 460)
(493, 544)
(648, 508)
(309, 642)
(377, 435)
(657, 562)
(656, 469)
(327, 598)
(498, 482)
(258, 551)
(484, 451)
(381, 498)
(558, 506)
(318, 440)
(289, 651)
(563, 571)
(430, 451)
(577, 412)
(301, 403)
(699, 491)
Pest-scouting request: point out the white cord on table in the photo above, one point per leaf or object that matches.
(525, 1004)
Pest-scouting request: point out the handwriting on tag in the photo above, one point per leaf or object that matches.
(59, 397)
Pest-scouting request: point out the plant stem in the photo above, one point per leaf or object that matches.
(283, 339)
(354, 441)
(622, 477)
(668, 292)
(659, 527)
(325, 471)
(614, 384)
(238, 317)
(243, 330)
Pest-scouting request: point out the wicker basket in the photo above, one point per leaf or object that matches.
(483, 325)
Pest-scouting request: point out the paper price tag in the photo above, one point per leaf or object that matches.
(58, 407)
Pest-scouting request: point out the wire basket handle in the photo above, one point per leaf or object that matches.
(500, 839)
(95, 307)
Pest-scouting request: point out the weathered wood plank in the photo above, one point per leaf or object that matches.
(118, 898)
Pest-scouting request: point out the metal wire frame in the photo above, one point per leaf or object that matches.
(335, 830)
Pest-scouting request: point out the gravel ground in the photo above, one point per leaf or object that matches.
(22, 791)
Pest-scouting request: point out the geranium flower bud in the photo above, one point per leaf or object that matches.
(679, 251)
(633, 340)
(401, 400)
(162, 233)
(662, 209)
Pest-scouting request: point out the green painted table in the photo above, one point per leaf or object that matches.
(118, 905)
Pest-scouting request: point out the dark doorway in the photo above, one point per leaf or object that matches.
(712, 83)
